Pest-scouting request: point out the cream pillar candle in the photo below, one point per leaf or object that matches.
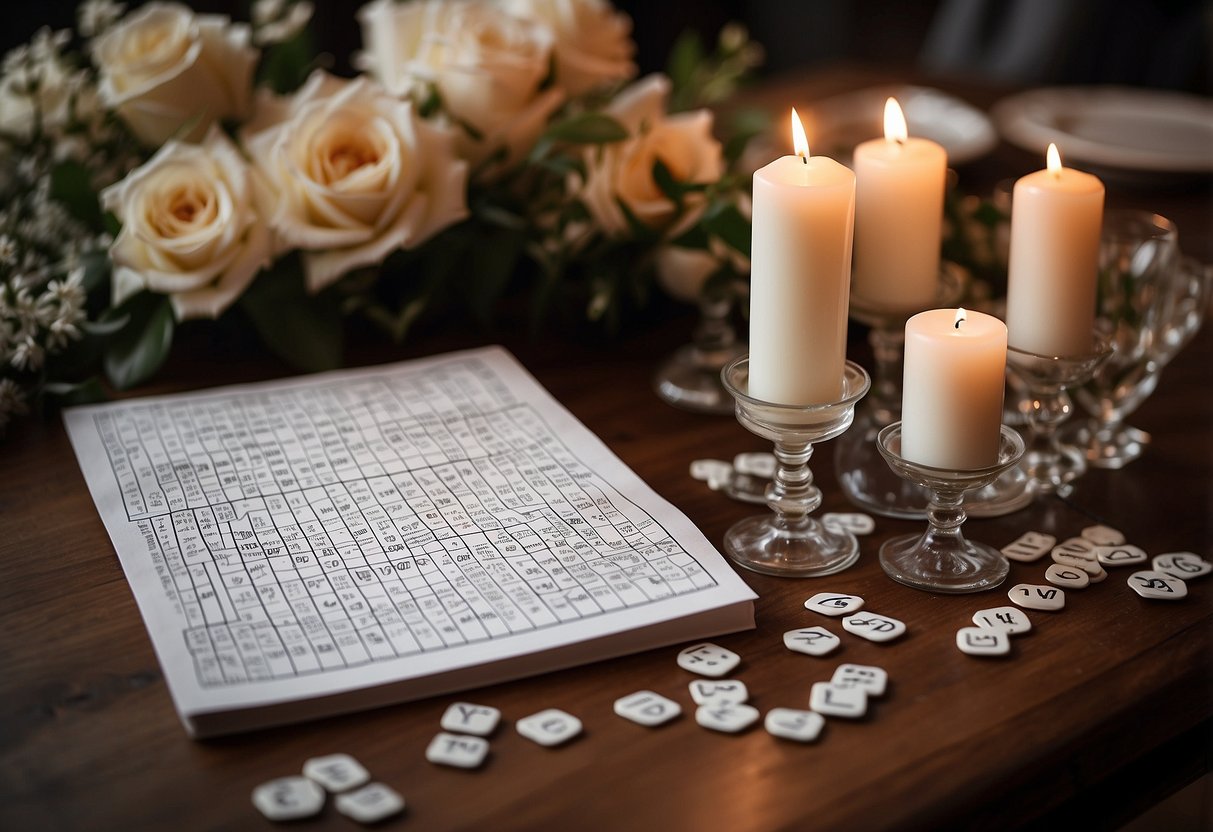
(900, 184)
(1055, 223)
(800, 262)
(951, 406)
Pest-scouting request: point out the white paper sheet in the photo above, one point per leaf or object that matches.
(299, 539)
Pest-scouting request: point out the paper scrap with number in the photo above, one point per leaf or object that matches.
(396, 531)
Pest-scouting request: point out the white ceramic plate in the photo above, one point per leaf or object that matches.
(1115, 127)
(835, 125)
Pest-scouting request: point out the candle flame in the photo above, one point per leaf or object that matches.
(961, 317)
(800, 142)
(894, 122)
(1054, 160)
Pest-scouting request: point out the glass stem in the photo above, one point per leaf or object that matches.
(714, 334)
(945, 514)
(792, 495)
(888, 348)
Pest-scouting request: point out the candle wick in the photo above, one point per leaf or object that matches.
(958, 322)
(804, 159)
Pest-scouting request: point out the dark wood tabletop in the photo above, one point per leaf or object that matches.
(1099, 712)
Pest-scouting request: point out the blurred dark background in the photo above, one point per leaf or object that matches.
(1159, 43)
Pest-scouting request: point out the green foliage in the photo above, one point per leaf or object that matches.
(139, 349)
(303, 330)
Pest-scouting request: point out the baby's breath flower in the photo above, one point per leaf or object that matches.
(95, 16)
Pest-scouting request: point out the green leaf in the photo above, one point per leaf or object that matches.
(140, 348)
(493, 262)
(72, 185)
(664, 179)
(285, 66)
(685, 58)
(97, 267)
(107, 324)
(303, 330)
(587, 128)
(725, 221)
(67, 395)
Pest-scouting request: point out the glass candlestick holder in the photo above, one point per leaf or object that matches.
(788, 541)
(941, 559)
(690, 377)
(862, 473)
(1052, 466)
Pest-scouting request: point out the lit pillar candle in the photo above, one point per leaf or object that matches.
(800, 262)
(951, 406)
(900, 185)
(1055, 222)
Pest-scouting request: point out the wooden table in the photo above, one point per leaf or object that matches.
(1102, 709)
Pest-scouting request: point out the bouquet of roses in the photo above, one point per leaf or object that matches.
(159, 166)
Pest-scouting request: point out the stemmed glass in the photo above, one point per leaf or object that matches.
(941, 559)
(1052, 466)
(1137, 294)
(789, 542)
(690, 378)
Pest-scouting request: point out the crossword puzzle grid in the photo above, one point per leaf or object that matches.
(328, 526)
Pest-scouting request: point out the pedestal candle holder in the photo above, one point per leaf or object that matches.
(1052, 466)
(862, 473)
(789, 542)
(690, 377)
(941, 559)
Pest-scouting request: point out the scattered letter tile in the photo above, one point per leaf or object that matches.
(550, 727)
(873, 627)
(834, 603)
(831, 700)
(707, 469)
(1120, 555)
(983, 641)
(1011, 620)
(458, 751)
(848, 521)
(1036, 597)
(1070, 577)
(1151, 584)
(1089, 565)
(727, 718)
(336, 772)
(647, 708)
(794, 724)
(1030, 546)
(1103, 535)
(758, 464)
(815, 641)
(370, 804)
(872, 679)
(288, 798)
(719, 692)
(1078, 547)
(1099, 574)
(1183, 565)
(708, 659)
(466, 718)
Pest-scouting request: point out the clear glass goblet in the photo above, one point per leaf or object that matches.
(690, 377)
(1051, 465)
(1138, 257)
(788, 541)
(941, 559)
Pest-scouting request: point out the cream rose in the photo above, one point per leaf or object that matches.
(170, 73)
(623, 171)
(353, 174)
(190, 227)
(486, 65)
(593, 40)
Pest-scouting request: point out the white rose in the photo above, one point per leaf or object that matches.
(353, 174)
(623, 171)
(166, 70)
(190, 227)
(593, 41)
(486, 65)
